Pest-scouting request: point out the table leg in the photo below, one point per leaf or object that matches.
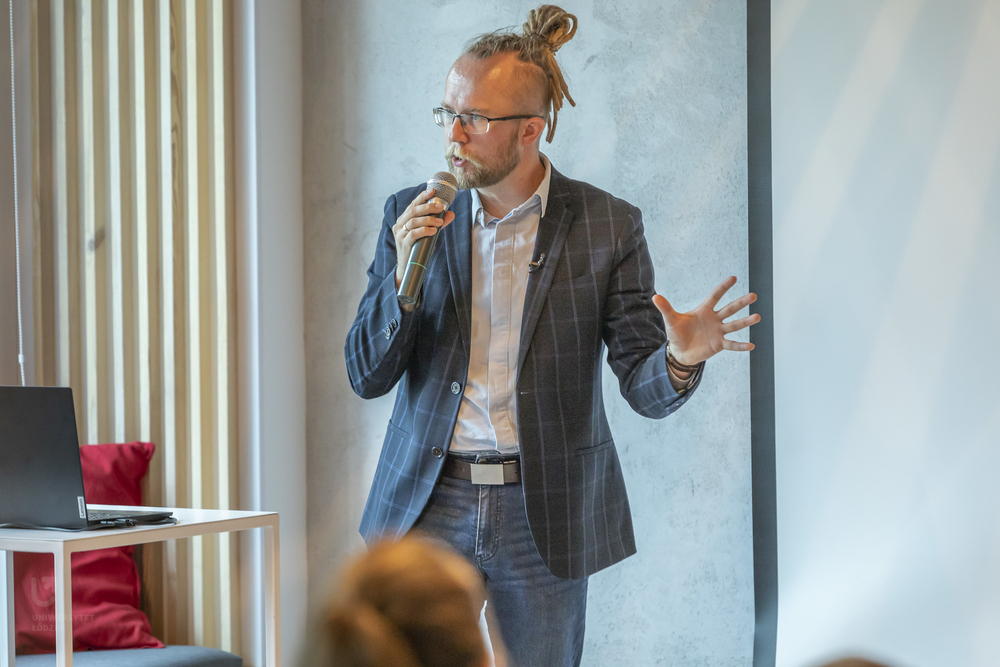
(64, 609)
(6, 609)
(272, 596)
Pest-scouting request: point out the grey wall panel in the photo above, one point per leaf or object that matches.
(760, 239)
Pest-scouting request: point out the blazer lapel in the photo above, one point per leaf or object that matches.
(458, 249)
(552, 230)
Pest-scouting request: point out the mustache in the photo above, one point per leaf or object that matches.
(454, 151)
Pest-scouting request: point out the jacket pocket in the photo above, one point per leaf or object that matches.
(596, 448)
(392, 428)
(576, 282)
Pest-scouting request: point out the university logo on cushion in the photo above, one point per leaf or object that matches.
(106, 611)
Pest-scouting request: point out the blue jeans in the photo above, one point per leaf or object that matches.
(541, 617)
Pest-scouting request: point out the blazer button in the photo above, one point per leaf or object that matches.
(455, 387)
(394, 324)
(388, 333)
(437, 452)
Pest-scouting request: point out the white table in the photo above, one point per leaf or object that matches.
(190, 522)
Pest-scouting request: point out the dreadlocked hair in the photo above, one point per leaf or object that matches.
(545, 31)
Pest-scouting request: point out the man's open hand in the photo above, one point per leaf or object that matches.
(701, 333)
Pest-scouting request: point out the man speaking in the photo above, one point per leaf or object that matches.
(498, 441)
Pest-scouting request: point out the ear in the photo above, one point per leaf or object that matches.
(531, 130)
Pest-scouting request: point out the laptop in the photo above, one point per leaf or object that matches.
(41, 477)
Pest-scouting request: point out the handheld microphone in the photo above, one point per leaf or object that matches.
(445, 190)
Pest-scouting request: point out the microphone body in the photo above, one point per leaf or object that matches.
(445, 190)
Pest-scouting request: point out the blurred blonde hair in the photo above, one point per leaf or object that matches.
(854, 662)
(411, 603)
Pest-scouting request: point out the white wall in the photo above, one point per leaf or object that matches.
(268, 152)
(886, 149)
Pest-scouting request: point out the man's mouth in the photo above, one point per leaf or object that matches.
(457, 160)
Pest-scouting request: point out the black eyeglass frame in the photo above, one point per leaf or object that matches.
(459, 116)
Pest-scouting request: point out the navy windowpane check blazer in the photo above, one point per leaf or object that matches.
(594, 289)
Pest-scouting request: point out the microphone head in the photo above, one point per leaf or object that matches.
(445, 187)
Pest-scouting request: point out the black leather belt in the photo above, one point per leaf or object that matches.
(493, 472)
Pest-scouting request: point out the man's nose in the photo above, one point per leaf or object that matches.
(456, 132)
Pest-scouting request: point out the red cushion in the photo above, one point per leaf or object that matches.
(105, 582)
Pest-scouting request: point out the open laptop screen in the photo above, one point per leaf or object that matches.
(41, 478)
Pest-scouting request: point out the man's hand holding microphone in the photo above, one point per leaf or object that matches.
(416, 231)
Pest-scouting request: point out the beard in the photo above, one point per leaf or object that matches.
(486, 171)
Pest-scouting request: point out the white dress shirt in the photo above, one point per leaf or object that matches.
(501, 251)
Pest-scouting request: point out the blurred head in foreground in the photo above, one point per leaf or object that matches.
(854, 662)
(410, 603)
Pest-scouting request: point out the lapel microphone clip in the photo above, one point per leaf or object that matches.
(536, 265)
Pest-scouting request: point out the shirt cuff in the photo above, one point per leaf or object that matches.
(680, 385)
(681, 378)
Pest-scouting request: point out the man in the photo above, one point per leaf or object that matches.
(498, 441)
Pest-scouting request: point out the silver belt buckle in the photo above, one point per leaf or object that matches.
(487, 473)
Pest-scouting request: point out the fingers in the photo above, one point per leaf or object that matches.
(736, 306)
(430, 208)
(423, 221)
(419, 207)
(736, 346)
(665, 308)
(428, 222)
(719, 291)
(414, 235)
(737, 325)
(420, 199)
(421, 214)
(415, 229)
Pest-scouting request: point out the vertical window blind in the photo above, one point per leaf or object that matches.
(134, 269)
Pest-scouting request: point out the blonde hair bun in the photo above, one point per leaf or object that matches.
(552, 24)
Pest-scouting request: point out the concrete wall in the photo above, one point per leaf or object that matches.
(886, 141)
(660, 121)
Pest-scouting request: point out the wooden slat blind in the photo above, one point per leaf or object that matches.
(134, 282)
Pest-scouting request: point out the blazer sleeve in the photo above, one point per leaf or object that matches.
(380, 340)
(634, 330)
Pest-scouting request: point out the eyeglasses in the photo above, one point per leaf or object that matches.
(472, 123)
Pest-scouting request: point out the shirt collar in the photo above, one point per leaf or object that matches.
(479, 214)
